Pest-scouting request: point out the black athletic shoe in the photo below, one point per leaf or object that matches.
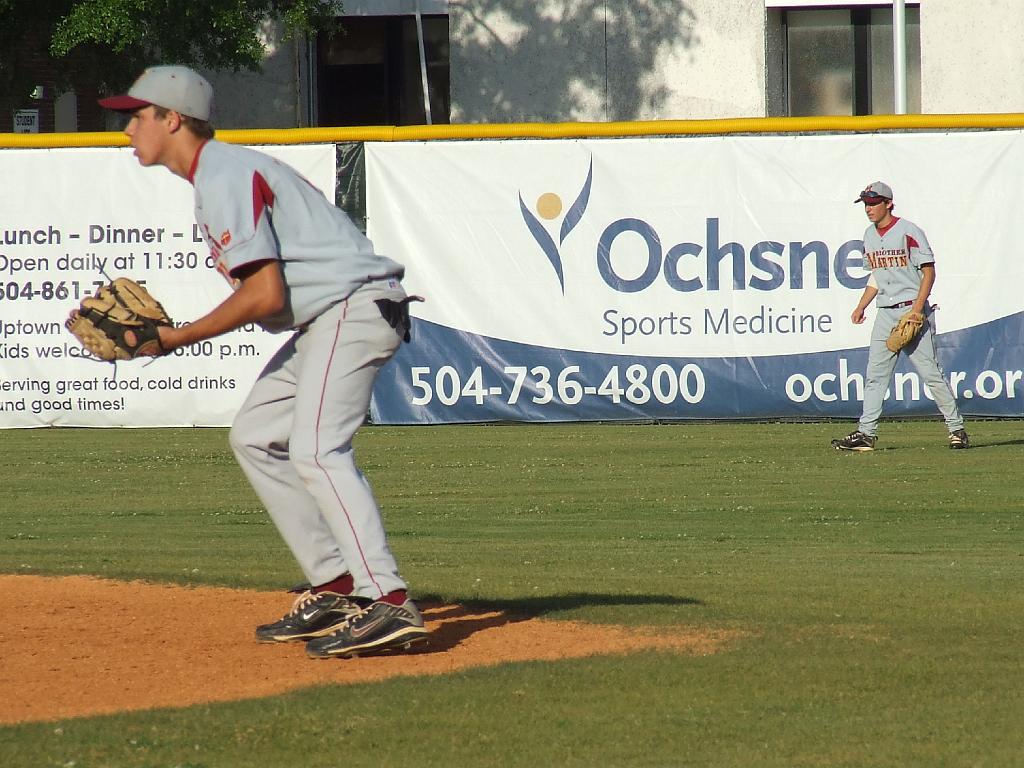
(311, 616)
(855, 441)
(959, 439)
(381, 627)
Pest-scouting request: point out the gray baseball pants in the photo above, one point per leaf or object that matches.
(882, 364)
(293, 439)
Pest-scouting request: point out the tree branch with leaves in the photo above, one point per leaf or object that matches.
(106, 43)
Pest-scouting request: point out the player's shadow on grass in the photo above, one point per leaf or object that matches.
(997, 444)
(455, 623)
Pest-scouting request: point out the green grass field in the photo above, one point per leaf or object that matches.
(877, 597)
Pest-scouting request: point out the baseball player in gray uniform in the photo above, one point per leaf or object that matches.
(299, 266)
(902, 275)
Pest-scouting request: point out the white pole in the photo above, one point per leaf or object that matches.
(899, 56)
(423, 64)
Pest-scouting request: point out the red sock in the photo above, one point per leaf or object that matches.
(397, 597)
(343, 585)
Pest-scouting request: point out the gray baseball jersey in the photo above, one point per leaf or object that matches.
(895, 257)
(250, 206)
(293, 434)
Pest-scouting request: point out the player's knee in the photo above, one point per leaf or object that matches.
(312, 464)
(243, 435)
(302, 454)
(237, 442)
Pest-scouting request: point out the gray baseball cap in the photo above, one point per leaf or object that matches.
(171, 87)
(875, 190)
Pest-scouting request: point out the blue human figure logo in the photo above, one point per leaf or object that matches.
(549, 207)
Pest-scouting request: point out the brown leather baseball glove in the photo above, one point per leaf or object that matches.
(905, 331)
(120, 322)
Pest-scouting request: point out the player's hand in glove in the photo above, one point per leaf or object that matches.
(120, 322)
(905, 331)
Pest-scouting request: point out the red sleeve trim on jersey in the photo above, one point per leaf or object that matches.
(262, 197)
(912, 243)
(195, 163)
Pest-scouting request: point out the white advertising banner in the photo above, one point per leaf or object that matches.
(70, 220)
(671, 278)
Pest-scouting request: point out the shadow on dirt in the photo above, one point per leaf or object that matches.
(452, 624)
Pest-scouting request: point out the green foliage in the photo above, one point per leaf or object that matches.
(875, 597)
(106, 43)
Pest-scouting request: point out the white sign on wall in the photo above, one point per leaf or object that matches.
(26, 121)
(70, 220)
(692, 277)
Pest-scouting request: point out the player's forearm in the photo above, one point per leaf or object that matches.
(925, 289)
(260, 295)
(226, 317)
(866, 298)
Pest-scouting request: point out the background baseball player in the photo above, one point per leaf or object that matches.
(902, 275)
(298, 265)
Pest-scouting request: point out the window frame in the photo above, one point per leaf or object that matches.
(809, 4)
(777, 54)
(394, 8)
(391, 27)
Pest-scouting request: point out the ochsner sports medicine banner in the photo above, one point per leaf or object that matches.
(69, 220)
(685, 278)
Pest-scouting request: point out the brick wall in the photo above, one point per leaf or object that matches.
(33, 56)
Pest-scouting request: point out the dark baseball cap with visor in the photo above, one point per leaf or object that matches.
(874, 193)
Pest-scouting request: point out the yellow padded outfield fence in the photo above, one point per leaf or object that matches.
(766, 125)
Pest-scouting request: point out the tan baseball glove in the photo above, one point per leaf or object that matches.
(120, 322)
(905, 331)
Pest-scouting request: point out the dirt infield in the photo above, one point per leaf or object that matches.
(79, 646)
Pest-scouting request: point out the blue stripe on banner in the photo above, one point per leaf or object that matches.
(449, 376)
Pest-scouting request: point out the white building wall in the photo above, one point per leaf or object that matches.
(558, 60)
(605, 60)
(274, 97)
(971, 56)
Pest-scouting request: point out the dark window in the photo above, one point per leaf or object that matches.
(839, 61)
(368, 72)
